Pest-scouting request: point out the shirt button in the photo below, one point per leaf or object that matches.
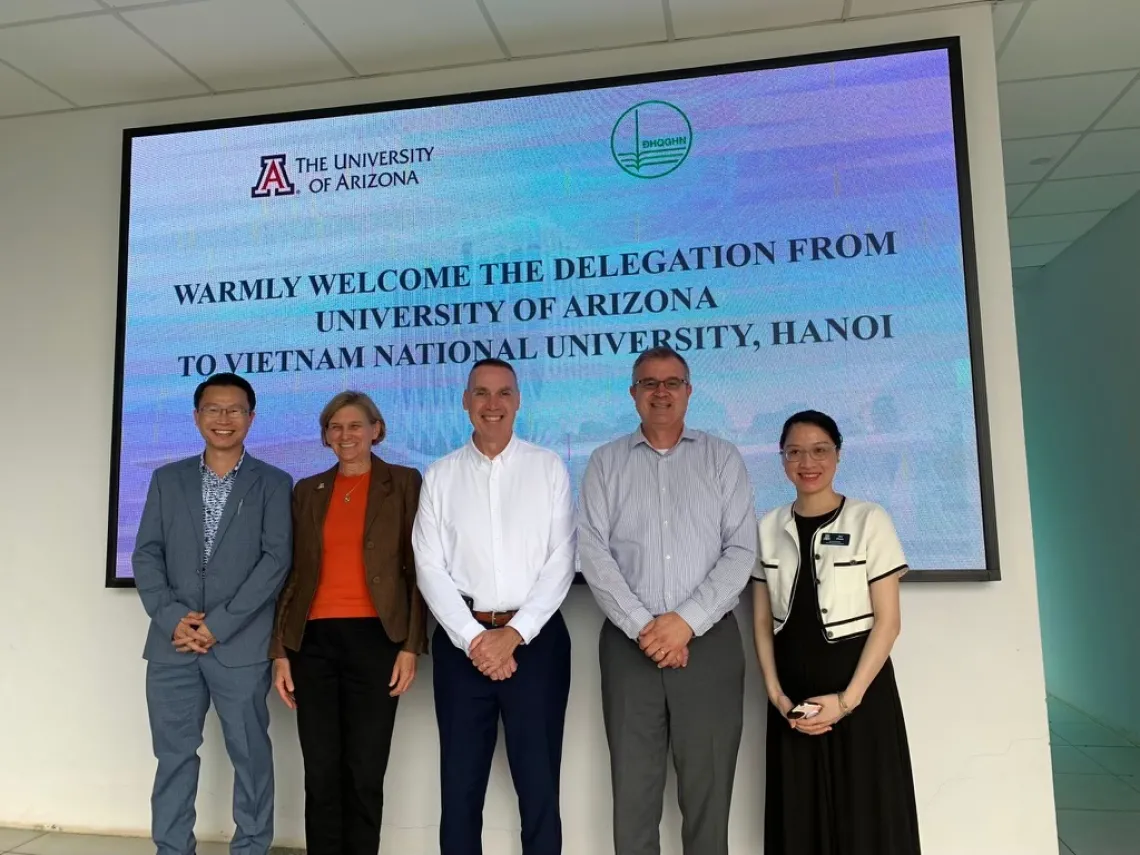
(823, 611)
(376, 579)
(368, 545)
(667, 557)
(665, 522)
(817, 558)
(830, 634)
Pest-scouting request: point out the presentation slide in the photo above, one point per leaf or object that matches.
(796, 230)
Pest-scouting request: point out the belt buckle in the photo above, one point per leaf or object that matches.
(494, 619)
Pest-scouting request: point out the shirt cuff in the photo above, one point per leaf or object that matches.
(696, 617)
(636, 622)
(469, 632)
(524, 626)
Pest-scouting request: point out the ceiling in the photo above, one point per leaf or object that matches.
(1070, 114)
(1067, 69)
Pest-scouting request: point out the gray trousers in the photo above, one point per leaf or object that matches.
(699, 711)
(177, 698)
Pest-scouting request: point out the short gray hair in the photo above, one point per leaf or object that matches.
(352, 398)
(661, 351)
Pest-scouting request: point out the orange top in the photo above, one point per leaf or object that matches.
(342, 591)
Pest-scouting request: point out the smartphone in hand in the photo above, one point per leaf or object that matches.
(804, 710)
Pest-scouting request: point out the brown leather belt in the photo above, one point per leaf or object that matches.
(492, 619)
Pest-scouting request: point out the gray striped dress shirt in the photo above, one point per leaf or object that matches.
(667, 532)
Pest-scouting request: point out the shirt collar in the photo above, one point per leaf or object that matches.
(206, 470)
(638, 438)
(504, 455)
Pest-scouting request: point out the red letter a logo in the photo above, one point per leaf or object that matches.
(274, 180)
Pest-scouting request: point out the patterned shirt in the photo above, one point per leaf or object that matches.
(215, 492)
(667, 531)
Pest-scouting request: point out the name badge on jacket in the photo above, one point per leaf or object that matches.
(835, 538)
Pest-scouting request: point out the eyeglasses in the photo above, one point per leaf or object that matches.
(816, 452)
(650, 384)
(213, 411)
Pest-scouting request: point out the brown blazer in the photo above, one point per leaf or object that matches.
(393, 496)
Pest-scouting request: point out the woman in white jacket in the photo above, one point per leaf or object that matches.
(826, 600)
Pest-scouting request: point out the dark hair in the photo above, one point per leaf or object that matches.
(226, 379)
(813, 417)
(491, 362)
(661, 351)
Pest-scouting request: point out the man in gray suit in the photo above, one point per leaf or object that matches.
(213, 549)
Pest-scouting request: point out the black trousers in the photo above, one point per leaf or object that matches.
(532, 704)
(344, 721)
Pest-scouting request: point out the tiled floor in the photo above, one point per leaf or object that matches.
(38, 843)
(1096, 783)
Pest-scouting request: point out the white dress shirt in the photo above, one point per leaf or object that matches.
(499, 531)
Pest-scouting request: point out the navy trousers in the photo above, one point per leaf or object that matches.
(177, 699)
(532, 704)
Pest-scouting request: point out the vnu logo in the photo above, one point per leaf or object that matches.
(651, 139)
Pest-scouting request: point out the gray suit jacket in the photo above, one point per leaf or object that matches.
(238, 588)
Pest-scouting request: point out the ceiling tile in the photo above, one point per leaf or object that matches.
(94, 61)
(1020, 154)
(1005, 14)
(1080, 194)
(1015, 194)
(20, 95)
(1059, 106)
(881, 7)
(1036, 256)
(1058, 228)
(709, 17)
(1126, 113)
(213, 41)
(384, 37)
(1071, 37)
(12, 11)
(550, 26)
(1103, 153)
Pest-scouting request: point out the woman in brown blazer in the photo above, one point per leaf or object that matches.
(350, 623)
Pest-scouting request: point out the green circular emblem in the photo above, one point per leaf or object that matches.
(651, 139)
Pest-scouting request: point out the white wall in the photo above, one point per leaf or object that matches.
(74, 745)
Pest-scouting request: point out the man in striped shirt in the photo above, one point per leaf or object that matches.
(667, 539)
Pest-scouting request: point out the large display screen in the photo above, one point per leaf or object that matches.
(798, 230)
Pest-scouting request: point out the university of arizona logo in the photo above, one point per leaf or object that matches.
(274, 179)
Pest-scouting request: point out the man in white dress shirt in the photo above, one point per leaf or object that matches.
(494, 542)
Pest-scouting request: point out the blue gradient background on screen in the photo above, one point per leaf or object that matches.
(858, 146)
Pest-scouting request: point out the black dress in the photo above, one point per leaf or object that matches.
(850, 791)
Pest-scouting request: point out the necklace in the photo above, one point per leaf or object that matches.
(348, 495)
